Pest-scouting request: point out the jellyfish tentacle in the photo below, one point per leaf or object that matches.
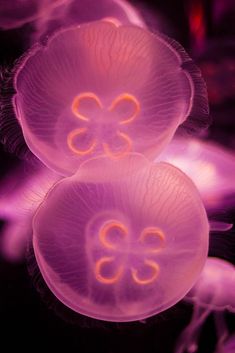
(188, 340)
(220, 226)
(221, 330)
(129, 98)
(128, 146)
(77, 101)
(96, 281)
(70, 141)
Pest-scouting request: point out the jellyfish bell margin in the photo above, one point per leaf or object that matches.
(113, 253)
(209, 296)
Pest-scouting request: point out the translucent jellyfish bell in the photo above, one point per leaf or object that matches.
(15, 13)
(213, 292)
(82, 95)
(121, 240)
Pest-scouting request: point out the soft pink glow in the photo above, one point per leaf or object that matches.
(21, 194)
(207, 292)
(82, 11)
(121, 240)
(58, 87)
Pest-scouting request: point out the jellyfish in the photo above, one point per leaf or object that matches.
(208, 164)
(21, 192)
(121, 240)
(82, 11)
(82, 95)
(213, 292)
(16, 13)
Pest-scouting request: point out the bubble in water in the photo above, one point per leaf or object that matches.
(21, 192)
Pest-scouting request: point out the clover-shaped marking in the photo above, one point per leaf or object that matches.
(126, 140)
(152, 240)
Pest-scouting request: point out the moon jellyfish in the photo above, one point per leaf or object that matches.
(209, 165)
(20, 195)
(121, 240)
(213, 292)
(82, 95)
(15, 13)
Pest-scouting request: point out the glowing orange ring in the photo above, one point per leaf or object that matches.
(107, 280)
(132, 99)
(77, 100)
(104, 232)
(70, 142)
(156, 269)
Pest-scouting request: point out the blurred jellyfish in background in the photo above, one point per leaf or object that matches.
(16, 13)
(83, 11)
(229, 345)
(214, 292)
(81, 95)
(121, 240)
(209, 165)
(21, 192)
